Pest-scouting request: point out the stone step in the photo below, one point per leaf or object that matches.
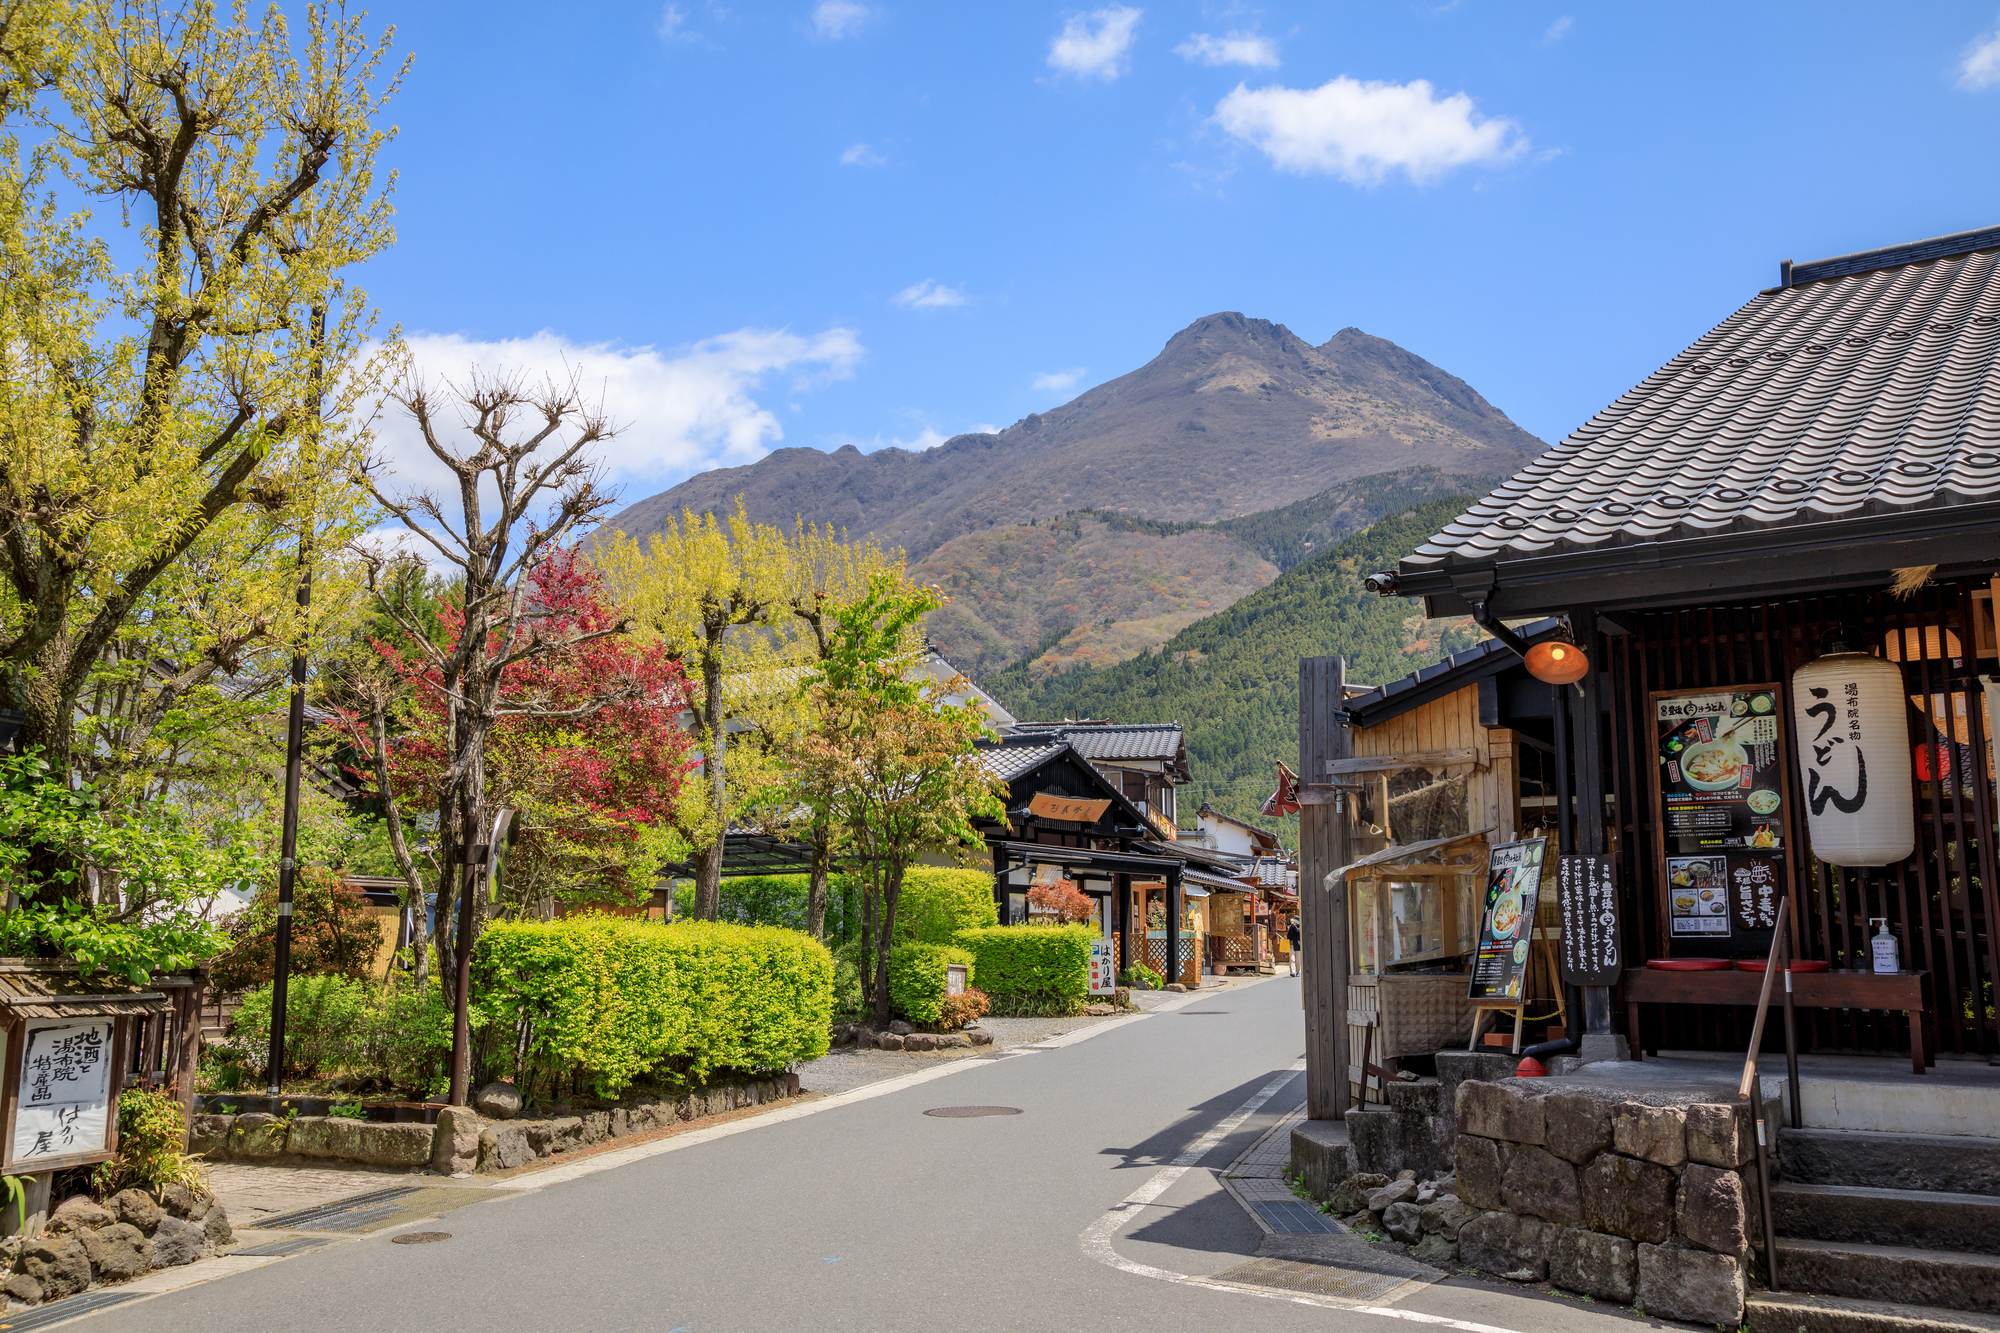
(1890, 1273)
(1959, 1164)
(1790, 1312)
(1926, 1219)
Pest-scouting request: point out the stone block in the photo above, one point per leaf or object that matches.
(59, 1264)
(1539, 1182)
(979, 1036)
(947, 1041)
(503, 1147)
(1713, 1211)
(1402, 1222)
(596, 1127)
(136, 1208)
(565, 1133)
(215, 1226)
(1322, 1158)
(208, 1135)
(1395, 1192)
(920, 1041)
(1506, 1244)
(253, 1136)
(364, 1141)
(1655, 1133)
(455, 1141)
(1500, 1111)
(1351, 1194)
(177, 1242)
(1627, 1197)
(790, 1079)
(1577, 1124)
(1720, 1135)
(900, 1028)
(498, 1100)
(120, 1251)
(889, 1041)
(1594, 1264)
(1437, 1250)
(79, 1212)
(1482, 1165)
(1697, 1286)
(621, 1122)
(21, 1287)
(1444, 1217)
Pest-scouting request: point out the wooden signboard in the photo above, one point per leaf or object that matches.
(1587, 894)
(1507, 922)
(1721, 783)
(63, 1077)
(1047, 805)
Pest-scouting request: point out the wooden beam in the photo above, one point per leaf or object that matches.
(1325, 737)
(1390, 763)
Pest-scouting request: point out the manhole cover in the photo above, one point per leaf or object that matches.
(419, 1237)
(966, 1112)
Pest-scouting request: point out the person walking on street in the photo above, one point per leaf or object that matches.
(1292, 935)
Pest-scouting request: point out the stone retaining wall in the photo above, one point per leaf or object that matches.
(1644, 1202)
(462, 1141)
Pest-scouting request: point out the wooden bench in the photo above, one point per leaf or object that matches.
(1907, 991)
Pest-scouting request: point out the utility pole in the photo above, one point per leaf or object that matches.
(288, 849)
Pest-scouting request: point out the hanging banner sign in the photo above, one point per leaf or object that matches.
(1047, 805)
(1587, 894)
(62, 1106)
(1722, 792)
(1507, 921)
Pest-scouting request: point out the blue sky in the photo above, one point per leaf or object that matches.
(814, 222)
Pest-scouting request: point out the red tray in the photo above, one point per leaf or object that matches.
(1688, 964)
(1798, 965)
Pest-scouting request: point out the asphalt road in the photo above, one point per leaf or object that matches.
(873, 1216)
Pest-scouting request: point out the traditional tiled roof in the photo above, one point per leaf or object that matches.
(1008, 762)
(1868, 386)
(1114, 742)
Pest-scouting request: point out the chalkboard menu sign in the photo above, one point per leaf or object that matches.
(1588, 897)
(1507, 921)
(1720, 782)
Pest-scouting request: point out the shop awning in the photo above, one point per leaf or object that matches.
(34, 993)
(1216, 882)
(1404, 854)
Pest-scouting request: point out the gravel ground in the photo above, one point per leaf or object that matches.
(840, 1070)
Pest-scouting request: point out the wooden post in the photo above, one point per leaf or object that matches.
(187, 1046)
(1324, 736)
(1173, 967)
(1587, 740)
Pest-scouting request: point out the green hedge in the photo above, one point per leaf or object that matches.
(936, 903)
(1032, 969)
(917, 978)
(617, 997)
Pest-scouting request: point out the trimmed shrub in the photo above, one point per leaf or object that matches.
(917, 979)
(614, 998)
(323, 1021)
(1032, 971)
(936, 903)
(764, 900)
(956, 1011)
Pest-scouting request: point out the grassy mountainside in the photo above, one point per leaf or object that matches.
(1232, 678)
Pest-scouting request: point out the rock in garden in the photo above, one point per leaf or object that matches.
(1656, 1133)
(978, 1037)
(1506, 1244)
(1400, 1220)
(252, 1136)
(183, 1201)
(1174, 986)
(1714, 1213)
(1539, 1182)
(1444, 1217)
(1426, 1193)
(137, 1207)
(79, 1212)
(1627, 1197)
(1399, 1191)
(215, 1226)
(22, 1288)
(1577, 1125)
(1100, 1010)
(59, 1264)
(1720, 1135)
(920, 1041)
(208, 1135)
(504, 1147)
(1436, 1250)
(900, 1028)
(1482, 1165)
(621, 1125)
(455, 1141)
(1499, 1111)
(1606, 1267)
(864, 1038)
(1694, 1285)
(177, 1242)
(953, 1041)
(889, 1041)
(119, 1251)
(1351, 1194)
(567, 1132)
(499, 1100)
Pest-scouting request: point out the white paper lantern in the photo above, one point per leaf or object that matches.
(1851, 723)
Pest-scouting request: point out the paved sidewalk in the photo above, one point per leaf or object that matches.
(1257, 1181)
(250, 1192)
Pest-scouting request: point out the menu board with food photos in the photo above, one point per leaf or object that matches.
(1507, 922)
(1721, 785)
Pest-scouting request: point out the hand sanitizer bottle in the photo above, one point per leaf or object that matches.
(1885, 946)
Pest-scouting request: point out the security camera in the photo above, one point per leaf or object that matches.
(1382, 584)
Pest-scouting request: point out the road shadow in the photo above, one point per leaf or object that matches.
(1161, 1147)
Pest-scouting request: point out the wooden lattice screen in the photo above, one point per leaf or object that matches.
(1943, 902)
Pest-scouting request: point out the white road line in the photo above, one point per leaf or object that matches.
(1097, 1237)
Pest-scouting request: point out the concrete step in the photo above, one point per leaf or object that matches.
(1960, 1164)
(1790, 1312)
(1924, 1219)
(1893, 1273)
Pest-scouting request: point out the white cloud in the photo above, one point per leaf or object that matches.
(861, 155)
(673, 25)
(1058, 381)
(929, 295)
(1238, 48)
(1558, 30)
(836, 19)
(1095, 44)
(677, 412)
(1981, 66)
(1364, 132)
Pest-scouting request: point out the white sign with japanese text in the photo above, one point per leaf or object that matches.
(63, 1103)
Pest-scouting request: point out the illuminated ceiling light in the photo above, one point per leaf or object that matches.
(1557, 662)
